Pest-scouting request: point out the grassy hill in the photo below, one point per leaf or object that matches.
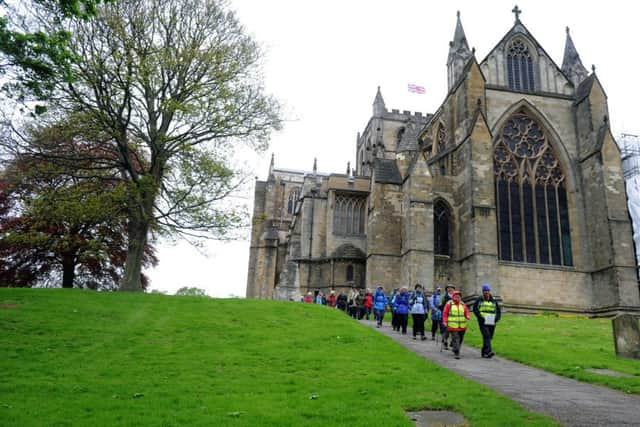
(70, 357)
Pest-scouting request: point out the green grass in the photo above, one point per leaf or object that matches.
(70, 357)
(564, 345)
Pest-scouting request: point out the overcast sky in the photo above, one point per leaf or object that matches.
(325, 59)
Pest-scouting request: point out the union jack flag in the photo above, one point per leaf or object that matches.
(416, 89)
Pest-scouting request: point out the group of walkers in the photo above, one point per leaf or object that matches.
(449, 314)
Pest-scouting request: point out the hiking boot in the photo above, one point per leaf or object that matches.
(445, 346)
(414, 337)
(456, 356)
(423, 338)
(433, 337)
(490, 355)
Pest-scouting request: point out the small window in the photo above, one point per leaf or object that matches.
(349, 273)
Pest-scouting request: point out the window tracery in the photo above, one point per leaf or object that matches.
(531, 198)
(349, 215)
(292, 201)
(520, 74)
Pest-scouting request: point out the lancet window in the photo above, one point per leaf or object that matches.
(441, 139)
(349, 215)
(294, 195)
(520, 67)
(441, 228)
(531, 196)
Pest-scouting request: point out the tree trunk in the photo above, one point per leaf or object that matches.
(137, 231)
(137, 234)
(68, 270)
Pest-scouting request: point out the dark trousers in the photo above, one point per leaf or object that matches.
(394, 320)
(403, 319)
(435, 324)
(418, 324)
(445, 333)
(487, 335)
(379, 314)
(367, 312)
(456, 341)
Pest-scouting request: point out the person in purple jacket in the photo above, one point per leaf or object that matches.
(402, 309)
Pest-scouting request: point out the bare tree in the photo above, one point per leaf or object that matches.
(167, 89)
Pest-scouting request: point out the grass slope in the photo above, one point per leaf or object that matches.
(564, 345)
(72, 357)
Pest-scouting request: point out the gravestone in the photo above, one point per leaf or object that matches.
(626, 334)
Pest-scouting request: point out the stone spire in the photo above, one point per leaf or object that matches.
(348, 168)
(315, 165)
(378, 105)
(271, 165)
(571, 63)
(459, 54)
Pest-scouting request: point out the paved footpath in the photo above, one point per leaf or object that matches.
(571, 402)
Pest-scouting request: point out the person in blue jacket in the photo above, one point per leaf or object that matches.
(380, 302)
(436, 313)
(402, 309)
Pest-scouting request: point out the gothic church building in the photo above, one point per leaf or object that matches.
(515, 180)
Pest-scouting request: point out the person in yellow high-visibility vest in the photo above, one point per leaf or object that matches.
(487, 311)
(454, 317)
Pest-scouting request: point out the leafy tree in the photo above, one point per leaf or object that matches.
(172, 85)
(57, 227)
(191, 292)
(36, 56)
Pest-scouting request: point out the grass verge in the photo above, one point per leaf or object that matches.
(564, 345)
(73, 357)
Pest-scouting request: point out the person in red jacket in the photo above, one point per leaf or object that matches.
(368, 303)
(454, 317)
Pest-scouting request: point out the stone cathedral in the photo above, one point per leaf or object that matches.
(515, 180)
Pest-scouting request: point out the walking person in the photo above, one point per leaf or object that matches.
(332, 300)
(487, 311)
(352, 303)
(454, 317)
(402, 309)
(448, 293)
(436, 313)
(360, 305)
(394, 315)
(380, 302)
(368, 303)
(419, 309)
(341, 302)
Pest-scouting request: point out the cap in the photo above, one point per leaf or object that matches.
(486, 288)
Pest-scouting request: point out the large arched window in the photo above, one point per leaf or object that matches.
(441, 232)
(520, 67)
(294, 194)
(349, 214)
(531, 197)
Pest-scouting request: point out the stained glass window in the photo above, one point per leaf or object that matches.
(441, 232)
(520, 74)
(531, 198)
(349, 215)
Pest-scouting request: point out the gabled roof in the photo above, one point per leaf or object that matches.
(386, 172)
(519, 28)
